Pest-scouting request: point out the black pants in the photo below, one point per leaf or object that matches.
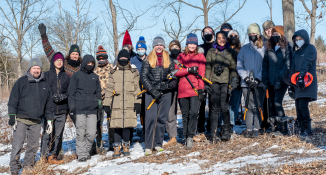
(142, 113)
(189, 107)
(276, 99)
(202, 118)
(121, 133)
(156, 115)
(301, 105)
(219, 100)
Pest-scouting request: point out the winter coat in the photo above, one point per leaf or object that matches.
(206, 46)
(149, 76)
(250, 58)
(59, 85)
(227, 58)
(84, 90)
(138, 62)
(190, 60)
(304, 60)
(132, 54)
(103, 75)
(31, 99)
(124, 80)
(275, 63)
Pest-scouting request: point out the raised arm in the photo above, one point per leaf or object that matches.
(45, 42)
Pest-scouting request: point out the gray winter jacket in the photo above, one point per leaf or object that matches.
(250, 58)
(304, 60)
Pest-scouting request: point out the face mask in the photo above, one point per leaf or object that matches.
(299, 43)
(276, 39)
(102, 62)
(253, 38)
(208, 37)
(141, 52)
(73, 63)
(123, 62)
(175, 53)
(89, 68)
(233, 41)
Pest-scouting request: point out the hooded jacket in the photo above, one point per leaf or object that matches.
(31, 99)
(84, 90)
(206, 46)
(59, 85)
(304, 60)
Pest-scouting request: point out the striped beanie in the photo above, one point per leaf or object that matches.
(141, 43)
(192, 39)
(101, 53)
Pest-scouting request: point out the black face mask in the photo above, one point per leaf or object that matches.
(233, 41)
(89, 68)
(253, 38)
(123, 62)
(73, 63)
(276, 39)
(208, 37)
(175, 53)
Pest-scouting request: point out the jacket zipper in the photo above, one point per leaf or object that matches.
(123, 99)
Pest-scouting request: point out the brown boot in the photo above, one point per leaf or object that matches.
(125, 146)
(117, 147)
(54, 160)
(199, 138)
(172, 141)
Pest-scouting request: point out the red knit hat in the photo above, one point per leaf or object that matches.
(126, 39)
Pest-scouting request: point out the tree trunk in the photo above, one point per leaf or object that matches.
(115, 30)
(205, 12)
(313, 21)
(271, 10)
(288, 19)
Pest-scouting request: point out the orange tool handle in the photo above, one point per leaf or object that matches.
(261, 114)
(267, 94)
(150, 105)
(245, 113)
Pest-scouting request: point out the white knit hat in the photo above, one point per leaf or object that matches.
(233, 32)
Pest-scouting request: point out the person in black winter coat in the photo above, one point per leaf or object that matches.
(276, 61)
(30, 100)
(59, 82)
(304, 61)
(85, 98)
(157, 67)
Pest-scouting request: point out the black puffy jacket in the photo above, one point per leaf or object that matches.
(149, 75)
(84, 90)
(59, 85)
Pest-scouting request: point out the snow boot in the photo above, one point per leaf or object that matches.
(248, 134)
(199, 138)
(53, 160)
(214, 138)
(84, 159)
(117, 147)
(148, 152)
(231, 130)
(283, 125)
(255, 133)
(125, 146)
(189, 142)
(171, 142)
(225, 132)
(88, 157)
(305, 128)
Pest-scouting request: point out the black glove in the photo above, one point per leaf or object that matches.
(42, 29)
(291, 91)
(156, 94)
(208, 89)
(247, 81)
(300, 83)
(234, 82)
(277, 86)
(12, 119)
(137, 108)
(255, 83)
(59, 97)
(201, 95)
(164, 86)
(193, 70)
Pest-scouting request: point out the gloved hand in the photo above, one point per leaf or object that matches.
(201, 95)
(277, 86)
(193, 70)
(156, 94)
(234, 82)
(137, 108)
(12, 121)
(59, 97)
(164, 86)
(255, 83)
(300, 83)
(208, 89)
(291, 91)
(49, 127)
(247, 81)
(42, 29)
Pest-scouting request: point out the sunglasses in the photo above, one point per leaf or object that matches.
(233, 36)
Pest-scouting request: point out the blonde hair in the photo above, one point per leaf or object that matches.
(152, 59)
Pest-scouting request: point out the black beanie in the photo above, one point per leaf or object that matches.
(226, 26)
(124, 53)
(74, 48)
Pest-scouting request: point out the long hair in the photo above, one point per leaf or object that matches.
(152, 59)
(187, 50)
(237, 47)
(271, 44)
(259, 43)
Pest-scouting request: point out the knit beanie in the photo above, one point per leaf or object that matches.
(278, 29)
(35, 62)
(58, 56)
(101, 53)
(174, 42)
(254, 28)
(158, 41)
(74, 48)
(192, 39)
(124, 53)
(233, 32)
(126, 39)
(141, 43)
(268, 24)
(226, 26)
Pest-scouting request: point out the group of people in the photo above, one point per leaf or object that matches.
(153, 85)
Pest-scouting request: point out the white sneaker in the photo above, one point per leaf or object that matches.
(148, 152)
(159, 149)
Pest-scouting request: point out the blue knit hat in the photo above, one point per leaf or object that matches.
(192, 39)
(141, 43)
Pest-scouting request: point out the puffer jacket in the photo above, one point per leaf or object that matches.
(124, 80)
(304, 60)
(190, 60)
(275, 63)
(149, 76)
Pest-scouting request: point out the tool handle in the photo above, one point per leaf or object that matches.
(141, 93)
(196, 91)
(267, 94)
(150, 105)
(261, 114)
(245, 113)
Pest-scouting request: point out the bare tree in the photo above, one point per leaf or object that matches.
(312, 17)
(288, 19)
(270, 6)
(19, 17)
